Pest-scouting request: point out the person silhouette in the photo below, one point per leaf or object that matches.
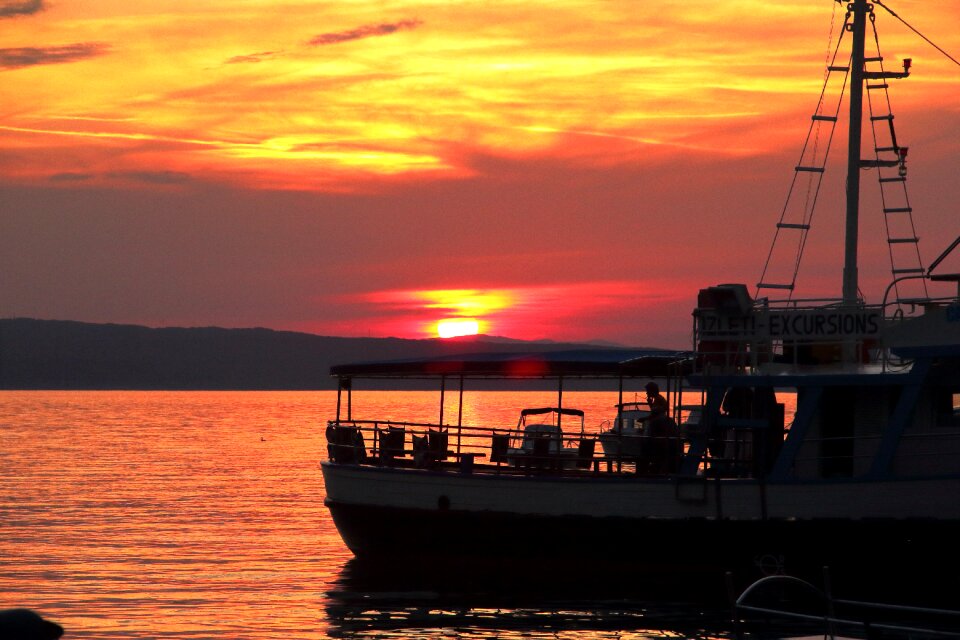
(656, 402)
(662, 450)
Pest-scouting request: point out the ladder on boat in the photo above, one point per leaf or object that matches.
(889, 158)
(890, 161)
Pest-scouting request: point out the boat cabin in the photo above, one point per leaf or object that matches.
(539, 439)
(541, 430)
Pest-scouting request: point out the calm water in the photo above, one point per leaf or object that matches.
(200, 515)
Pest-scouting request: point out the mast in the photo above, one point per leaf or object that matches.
(850, 285)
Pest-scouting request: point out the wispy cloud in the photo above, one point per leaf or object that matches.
(146, 177)
(333, 37)
(366, 31)
(151, 177)
(251, 57)
(71, 176)
(15, 8)
(112, 134)
(18, 57)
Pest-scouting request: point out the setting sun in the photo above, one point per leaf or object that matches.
(452, 328)
(447, 163)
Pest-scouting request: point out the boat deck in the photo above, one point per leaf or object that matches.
(478, 450)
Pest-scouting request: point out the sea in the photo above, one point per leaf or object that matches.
(199, 514)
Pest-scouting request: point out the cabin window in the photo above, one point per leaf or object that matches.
(948, 408)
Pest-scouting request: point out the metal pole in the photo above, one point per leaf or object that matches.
(559, 401)
(850, 288)
(443, 388)
(339, 393)
(460, 415)
(942, 256)
(828, 592)
(460, 405)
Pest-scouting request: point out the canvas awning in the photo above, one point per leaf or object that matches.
(599, 363)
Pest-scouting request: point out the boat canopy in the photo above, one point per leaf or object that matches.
(586, 363)
(540, 411)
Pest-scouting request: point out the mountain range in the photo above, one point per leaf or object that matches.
(58, 354)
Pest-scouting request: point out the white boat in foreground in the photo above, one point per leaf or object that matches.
(864, 478)
(625, 437)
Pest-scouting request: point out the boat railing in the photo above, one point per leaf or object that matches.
(734, 454)
(932, 452)
(469, 448)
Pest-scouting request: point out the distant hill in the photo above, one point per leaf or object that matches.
(55, 354)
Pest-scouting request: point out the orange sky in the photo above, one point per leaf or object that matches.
(569, 170)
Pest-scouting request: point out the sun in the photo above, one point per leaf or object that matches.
(453, 327)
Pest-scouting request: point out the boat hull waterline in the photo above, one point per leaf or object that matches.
(708, 523)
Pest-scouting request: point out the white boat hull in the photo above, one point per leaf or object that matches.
(648, 498)
(616, 445)
(864, 531)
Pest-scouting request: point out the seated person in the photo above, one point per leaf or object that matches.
(662, 451)
(657, 403)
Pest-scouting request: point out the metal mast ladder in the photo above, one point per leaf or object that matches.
(795, 220)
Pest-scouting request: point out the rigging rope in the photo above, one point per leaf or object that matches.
(810, 205)
(909, 26)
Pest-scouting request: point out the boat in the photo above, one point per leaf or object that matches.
(538, 439)
(625, 437)
(864, 475)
